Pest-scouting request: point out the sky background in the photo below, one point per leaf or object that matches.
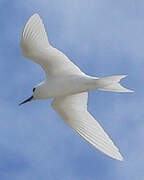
(102, 38)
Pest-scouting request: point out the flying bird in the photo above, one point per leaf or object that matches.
(68, 86)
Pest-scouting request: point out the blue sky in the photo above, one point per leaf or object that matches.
(102, 38)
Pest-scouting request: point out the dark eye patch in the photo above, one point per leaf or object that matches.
(34, 89)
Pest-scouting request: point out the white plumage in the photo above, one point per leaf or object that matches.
(69, 86)
(73, 110)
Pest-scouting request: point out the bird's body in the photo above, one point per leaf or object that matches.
(68, 85)
(63, 86)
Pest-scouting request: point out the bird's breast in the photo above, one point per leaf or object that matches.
(63, 86)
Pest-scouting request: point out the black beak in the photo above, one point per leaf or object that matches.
(27, 100)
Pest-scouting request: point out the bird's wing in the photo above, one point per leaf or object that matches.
(73, 110)
(35, 46)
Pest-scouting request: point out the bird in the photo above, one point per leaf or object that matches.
(68, 86)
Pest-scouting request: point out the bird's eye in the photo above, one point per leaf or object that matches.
(34, 89)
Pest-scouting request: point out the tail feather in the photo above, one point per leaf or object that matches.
(111, 83)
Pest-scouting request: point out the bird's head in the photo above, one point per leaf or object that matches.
(38, 93)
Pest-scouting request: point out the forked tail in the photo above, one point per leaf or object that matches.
(112, 83)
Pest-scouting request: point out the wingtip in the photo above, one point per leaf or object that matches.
(118, 157)
(131, 90)
(128, 90)
(35, 14)
(34, 35)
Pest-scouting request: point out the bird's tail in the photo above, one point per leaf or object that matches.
(112, 83)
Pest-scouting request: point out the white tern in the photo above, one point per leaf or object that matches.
(69, 86)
